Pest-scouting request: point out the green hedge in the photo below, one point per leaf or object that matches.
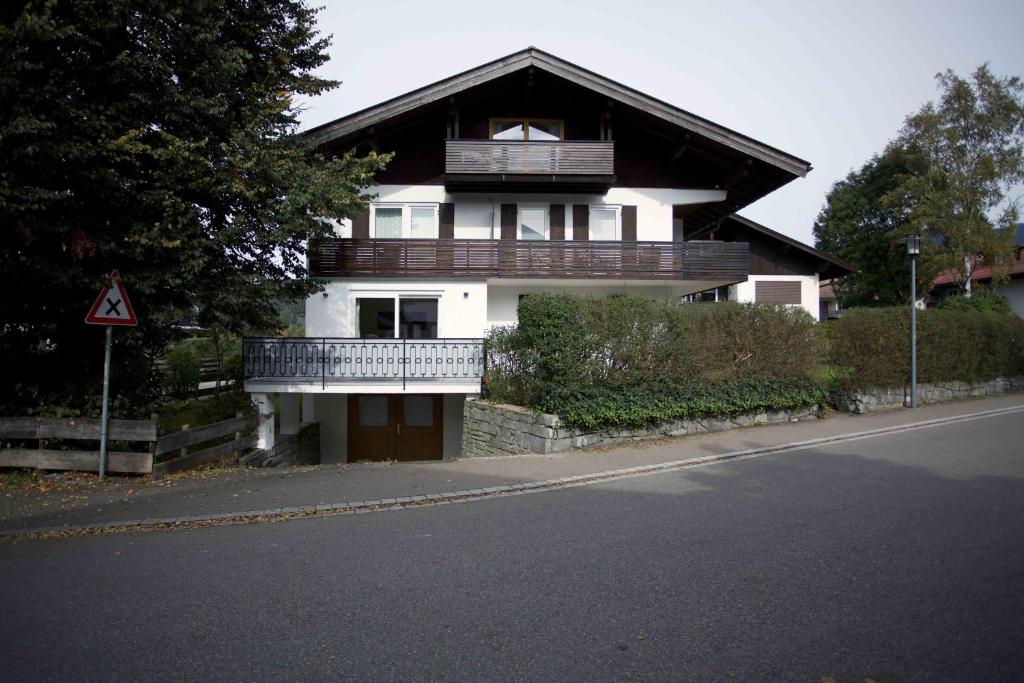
(629, 361)
(870, 347)
(591, 408)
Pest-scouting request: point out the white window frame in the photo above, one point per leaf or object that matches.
(533, 207)
(397, 296)
(406, 217)
(618, 221)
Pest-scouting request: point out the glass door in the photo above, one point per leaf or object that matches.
(417, 318)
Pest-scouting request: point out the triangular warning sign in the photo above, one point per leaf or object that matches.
(112, 307)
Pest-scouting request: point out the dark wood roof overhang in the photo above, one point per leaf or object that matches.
(735, 228)
(746, 168)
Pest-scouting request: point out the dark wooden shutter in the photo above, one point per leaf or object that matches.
(777, 291)
(509, 216)
(361, 225)
(446, 221)
(581, 221)
(556, 221)
(629, 224)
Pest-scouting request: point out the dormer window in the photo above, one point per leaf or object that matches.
(530, 130)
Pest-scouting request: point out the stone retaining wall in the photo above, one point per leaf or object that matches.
(499, 429)
(289, 449)
(875, 400)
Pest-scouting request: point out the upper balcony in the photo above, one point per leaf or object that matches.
(527, 166)
(713, 261)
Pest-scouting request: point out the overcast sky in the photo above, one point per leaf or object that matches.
(826, 81)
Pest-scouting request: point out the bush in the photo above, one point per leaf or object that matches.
(984, 300)
(629, 360)
(873, 346)
(591, 408)
(233, 369)
(181, 376)
(765, 341)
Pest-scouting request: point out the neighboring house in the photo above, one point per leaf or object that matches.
(526, 174)
(782, 270)
(948, 284)
(828, 303)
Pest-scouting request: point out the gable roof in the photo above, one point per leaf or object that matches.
(836, 266)
(532, 57)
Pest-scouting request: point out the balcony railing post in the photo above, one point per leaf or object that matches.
(405, 362)
(323, 363)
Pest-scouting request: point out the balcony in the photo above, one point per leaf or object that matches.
(515, 165)
(724, 262)
(337, 363)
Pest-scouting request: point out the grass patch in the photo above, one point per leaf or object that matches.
(18, 479)
(829, 376)
(203, 411)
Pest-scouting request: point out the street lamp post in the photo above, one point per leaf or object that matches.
(914, 250)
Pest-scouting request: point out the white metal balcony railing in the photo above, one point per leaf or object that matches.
(571, 157)
(326, 360)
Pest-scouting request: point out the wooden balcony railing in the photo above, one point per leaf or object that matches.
(326, 360)
(573, 157)
(445, 258)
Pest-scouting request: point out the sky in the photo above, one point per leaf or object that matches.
(830, 82)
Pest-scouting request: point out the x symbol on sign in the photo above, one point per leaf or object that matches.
(112, 307)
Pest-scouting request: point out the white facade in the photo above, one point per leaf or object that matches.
(469, 307)
(477, 216)
(1014, 293)
(809, 290)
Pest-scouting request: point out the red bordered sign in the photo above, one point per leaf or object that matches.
(112, 306)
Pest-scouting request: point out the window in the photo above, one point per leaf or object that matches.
(533, 223)
(423, 222)
(404, 221)
(376, 318)
(373, 411)
(418, 411)
(537, 130)
(417, 318)
(707, 296)
(387, 222)
(605, 223)
(777, 292)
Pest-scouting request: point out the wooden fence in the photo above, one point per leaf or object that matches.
(42, 430)
(180, 441)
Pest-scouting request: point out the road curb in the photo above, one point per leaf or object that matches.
(469, 495)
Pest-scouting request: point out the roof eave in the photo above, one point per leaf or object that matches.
(834, 261)
(559, 67)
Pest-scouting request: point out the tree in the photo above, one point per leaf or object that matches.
(859, 225)
(971, 148)
(161, 139)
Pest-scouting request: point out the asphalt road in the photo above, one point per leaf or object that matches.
(895, 558)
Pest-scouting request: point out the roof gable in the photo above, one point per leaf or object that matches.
(835, 266)
(532, 57)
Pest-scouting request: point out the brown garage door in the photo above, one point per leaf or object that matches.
(395, 427)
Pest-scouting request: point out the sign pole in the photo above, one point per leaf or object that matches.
(104, 429)
(111, 308)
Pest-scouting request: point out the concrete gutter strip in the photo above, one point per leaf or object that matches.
(330, 509)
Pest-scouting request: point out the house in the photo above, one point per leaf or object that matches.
(828, 303)
(782, 270)
(523, 175)
(948, 284)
